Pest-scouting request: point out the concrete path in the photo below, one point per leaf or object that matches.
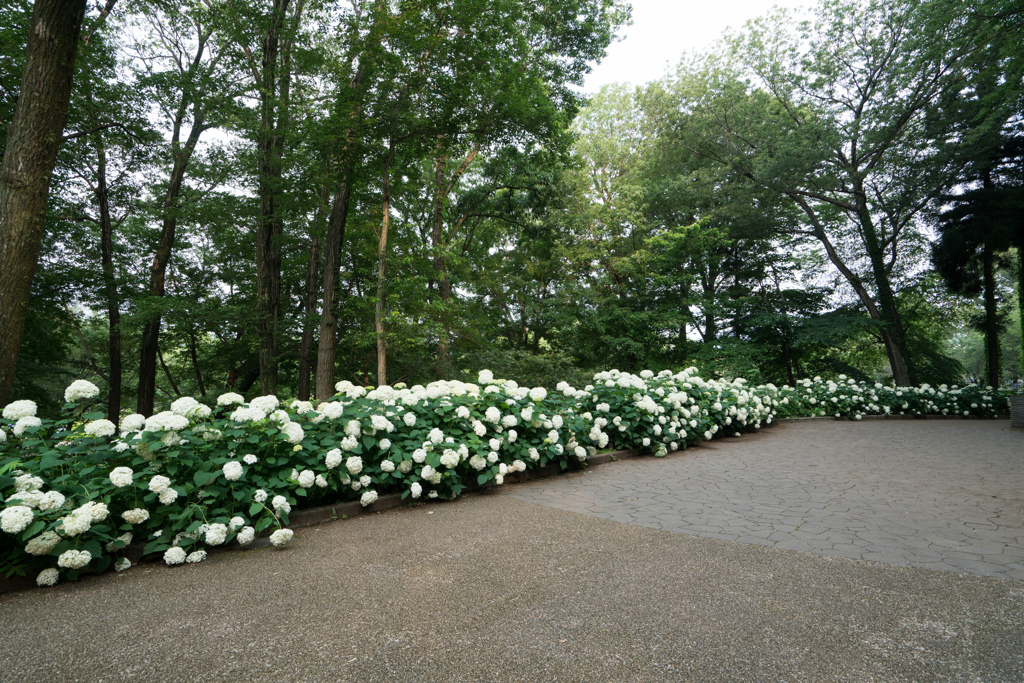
(493, 588)
(945, 495)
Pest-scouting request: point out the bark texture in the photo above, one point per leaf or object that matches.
(33, 141)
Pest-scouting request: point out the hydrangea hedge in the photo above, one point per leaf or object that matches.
(78, 490)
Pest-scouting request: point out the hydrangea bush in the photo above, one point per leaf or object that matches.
(846, 397)
(78, 490)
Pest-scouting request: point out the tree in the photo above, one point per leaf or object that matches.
(833, 117)
(33, 140)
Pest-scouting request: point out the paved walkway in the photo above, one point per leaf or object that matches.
(940, 494)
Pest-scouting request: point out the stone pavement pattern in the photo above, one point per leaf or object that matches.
(940, 494)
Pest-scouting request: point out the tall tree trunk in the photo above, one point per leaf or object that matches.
(195, 360)
(110, 288)
(991, 316)
(443, 187)
(328, 340)
(33, 140)
(382, 250)
(893, 333)
(273, 122)
(893, 345)
(308, 311)
(150, 344)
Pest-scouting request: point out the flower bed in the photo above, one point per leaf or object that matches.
(848, 398)
(78, 490)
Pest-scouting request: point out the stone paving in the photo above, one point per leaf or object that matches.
(939, 494)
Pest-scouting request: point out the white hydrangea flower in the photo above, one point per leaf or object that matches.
(119, 543)
(499, 479)
(30, 499)
(294, 432)
(25, 423)
(492, 457)
(216, 534)
(28, 482)
(232, 470)
(368, 498)
(409, 419)
(426, 473)
(306, 478)
(492, 415)
(281, 537)
(419, 455)
(184, 406)
(280, 416)
(333, 458)
(166, 422)
(416, 489)
(332, 410)
(405, 467)
(174, 555)
(247, 414)
(349, 443)
(477, 462)
(387, 466)
(485, 377)
(74, 559)
(354, 464)
(159, 483)
(246, 535)
(16, 518)
(353, 428)
(320, 481)
(267, 404)
(518, 466)
(43, 543)
(18, 409)
(301, 407)
(168, 496)
(259, 496)
(435, 436)
(538, 393)
(450, 458)
(364, 480)
(230, 398)
(236, 522)
(80, 389)
(195, 556)
(281, 504)
(121, 564)
(48, 577)
(100, 428)
(249, 459)
(135, 515)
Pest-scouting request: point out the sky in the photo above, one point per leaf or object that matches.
(663, 30)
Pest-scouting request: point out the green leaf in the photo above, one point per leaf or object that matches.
(369, 442)
(255, 508)
(300, 492)
(33, 529)
(155, 546)
(201, 478)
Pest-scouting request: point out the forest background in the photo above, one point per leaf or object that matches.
(269, 197)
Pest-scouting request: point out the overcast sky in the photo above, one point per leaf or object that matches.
(663, 30)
